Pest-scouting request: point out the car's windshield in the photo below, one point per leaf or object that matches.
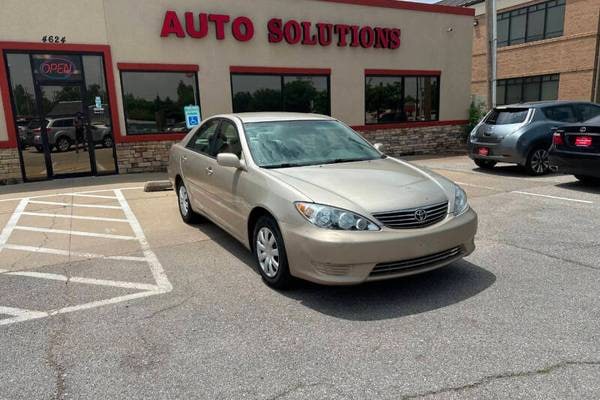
(507, 116)
(280, 144)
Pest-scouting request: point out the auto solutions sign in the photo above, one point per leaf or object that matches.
(292, 32)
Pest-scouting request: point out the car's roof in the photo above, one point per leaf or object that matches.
(545, 103)
(276, 116)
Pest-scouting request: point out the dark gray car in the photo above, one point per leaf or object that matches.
(522, 133)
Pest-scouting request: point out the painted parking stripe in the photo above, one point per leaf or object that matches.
(55, 203)
(95, 196)
(67, 253)
(70, 193)
(12, 223)
(553, 197)
(89, 281)
(75, 233)
(69, 216)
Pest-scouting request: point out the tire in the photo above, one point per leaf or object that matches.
(107, 141)
(63, 144)
(485, 164)
(588, 180)
(185, 208)
(538, 161)
(269, 252)
(39, 148)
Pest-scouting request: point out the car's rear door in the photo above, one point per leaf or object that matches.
(194, 165)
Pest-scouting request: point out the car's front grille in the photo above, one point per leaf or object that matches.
(416, 264)
(419, 217)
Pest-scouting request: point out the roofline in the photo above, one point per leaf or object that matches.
(408, 5)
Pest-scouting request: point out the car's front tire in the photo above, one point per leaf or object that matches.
(269, 252)
(485, 164)
(185, 208)
(588, 180)
(63, 144)
(538, 162)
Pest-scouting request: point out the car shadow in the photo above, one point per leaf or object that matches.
(513, 171)
(374, 300)
(580, 187)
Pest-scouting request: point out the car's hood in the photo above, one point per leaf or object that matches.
(371, 186)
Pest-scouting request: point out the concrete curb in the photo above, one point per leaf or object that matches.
(157, 186)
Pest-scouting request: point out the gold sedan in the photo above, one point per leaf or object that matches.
(313, 200)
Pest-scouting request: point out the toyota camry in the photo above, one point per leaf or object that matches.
(314, 200)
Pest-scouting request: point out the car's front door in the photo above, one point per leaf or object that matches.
(224, 183)
(195, 162)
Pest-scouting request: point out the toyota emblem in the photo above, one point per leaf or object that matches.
(420, 215)
(583, 129)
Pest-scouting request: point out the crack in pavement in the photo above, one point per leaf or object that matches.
(503, 375)
(171, 307)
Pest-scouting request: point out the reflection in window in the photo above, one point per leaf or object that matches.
(294, 93)
(154, 101)
(392, 99)
(528, 24)
(533, 88)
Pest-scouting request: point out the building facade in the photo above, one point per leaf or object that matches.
(107, 86)
(547, 50)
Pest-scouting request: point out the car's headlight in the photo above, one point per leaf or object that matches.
(461, 203)
(334, 218)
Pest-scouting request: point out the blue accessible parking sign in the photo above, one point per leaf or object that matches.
(192, 116)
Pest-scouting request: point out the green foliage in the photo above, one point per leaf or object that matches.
(477, 111)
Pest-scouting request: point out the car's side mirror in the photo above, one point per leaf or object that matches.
(230, 160)
(379, 147)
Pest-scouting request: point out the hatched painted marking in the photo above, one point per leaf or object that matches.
(161, 286)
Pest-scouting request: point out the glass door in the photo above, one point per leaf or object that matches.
(64, 130)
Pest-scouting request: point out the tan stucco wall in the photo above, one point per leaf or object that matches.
(430, 41)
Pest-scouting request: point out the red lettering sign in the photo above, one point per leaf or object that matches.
(293, 32)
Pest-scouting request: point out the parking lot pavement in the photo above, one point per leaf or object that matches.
(519, 318)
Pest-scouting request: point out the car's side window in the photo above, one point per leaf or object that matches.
(227, 141)
(564, 113)
(200, 142)
(587, 111)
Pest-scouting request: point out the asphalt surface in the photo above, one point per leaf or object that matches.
(519, 318)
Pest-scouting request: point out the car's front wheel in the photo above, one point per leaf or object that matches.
(538, 162)
(485, 164)
(185, 209)
(269, 251)
(588, 180)
(63, 144)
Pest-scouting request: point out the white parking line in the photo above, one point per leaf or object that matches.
(74, 233)
(96, 196)
(55, 203)
(71, 193)
(553, 197)
(68, 253)
(69, 216)
(162, 284)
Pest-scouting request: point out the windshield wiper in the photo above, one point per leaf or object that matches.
(283, 165)
(344, 160)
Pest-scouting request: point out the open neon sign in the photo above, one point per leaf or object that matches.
(57, 68)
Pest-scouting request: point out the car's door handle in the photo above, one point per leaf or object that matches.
(209, 171)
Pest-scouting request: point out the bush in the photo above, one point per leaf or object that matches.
(477, 111)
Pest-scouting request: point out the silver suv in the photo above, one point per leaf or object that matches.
(522, 133)
(61, 134)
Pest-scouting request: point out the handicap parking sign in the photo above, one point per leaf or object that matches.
(192, 116)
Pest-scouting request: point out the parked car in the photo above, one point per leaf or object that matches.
(522, 133)
(61, 134)
(312, 199)
(576, 150)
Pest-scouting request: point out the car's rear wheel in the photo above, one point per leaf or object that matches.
(485, 164)
(269, 251)
(588, 180)
(185, 208)
(63, 144)
(39, 148)
(107, 141)
(538, 162)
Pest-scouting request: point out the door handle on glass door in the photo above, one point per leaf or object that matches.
(209, 171)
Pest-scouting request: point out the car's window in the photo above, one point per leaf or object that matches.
(63, 123)
(200, 141)
(587, 111)
(501, 116)
(281, 144)
(563, 113)
(229, 140)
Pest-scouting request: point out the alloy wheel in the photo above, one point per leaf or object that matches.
(184, 205)
(267, 252)
(540, 162)
(63, 144)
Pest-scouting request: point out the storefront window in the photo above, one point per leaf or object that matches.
(392, 99)
(154, 101)
(533, 88)
(528, 24)
(293, 93)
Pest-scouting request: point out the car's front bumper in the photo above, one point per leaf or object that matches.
(342, 258)
(576, 163)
